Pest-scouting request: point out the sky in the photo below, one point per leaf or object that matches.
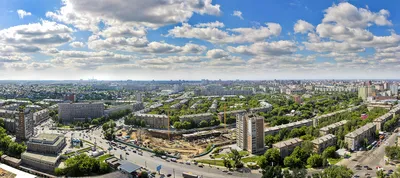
(199, 39)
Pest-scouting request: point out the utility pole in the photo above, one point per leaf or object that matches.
(173, 170)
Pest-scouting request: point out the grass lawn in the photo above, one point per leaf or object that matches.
(212, 162)
(104, 157)
(243, 153)
(250, 159)
(333, 161)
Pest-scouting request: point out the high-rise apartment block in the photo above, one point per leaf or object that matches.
(250, 133)
(70, 112)
(394, 88)
(24, 127)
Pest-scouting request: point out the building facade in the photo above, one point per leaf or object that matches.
(324, 142)
(250, 133)
(197, 118)
(286, 147)
(46, 143)
(69, 112)
(24, 127)
(330, 129)
(41, 116)
(355, 139)
(154, 120)
(289, 126)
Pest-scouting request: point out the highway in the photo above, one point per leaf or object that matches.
(147, 160)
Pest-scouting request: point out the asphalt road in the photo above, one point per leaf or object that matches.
(147, 160)
(371, 158)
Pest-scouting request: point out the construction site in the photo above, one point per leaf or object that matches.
(185, 145)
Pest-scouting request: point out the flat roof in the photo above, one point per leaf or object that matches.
(361, 130)
(334, 125)
(128, 166)
(18, 173)
(44, 158)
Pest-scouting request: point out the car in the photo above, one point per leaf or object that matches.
(366, 167)
(200, 165)
(229, 173)
(134, 151)
(369, 168)
(115, 148)
(367, 174)
(224, 171)
(188, 163)
(356, 176)
(168, 175)
(390, 170)
(127, 153)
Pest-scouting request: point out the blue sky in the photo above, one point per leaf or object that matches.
(196, 39)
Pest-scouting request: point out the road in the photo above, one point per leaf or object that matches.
(147, 160)
(371, 158)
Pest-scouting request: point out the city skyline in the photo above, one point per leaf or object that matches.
(193, 40)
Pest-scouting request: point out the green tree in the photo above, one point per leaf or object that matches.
(203, 123)
(329, 152)
(271, 157)
(104, 168)
(227, 163)
(337, 171)
(380, 174)
(143, 174)
(272, 171)
(315, 160)
(236, 158)
(292, 162)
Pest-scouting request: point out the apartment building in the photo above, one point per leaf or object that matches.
(137, 106)
(194, 106)
(289, 126)
(323, 142)
(286, 147)
(154, 120)
(250, 133)
(229, 113)
(214, 106)
(380, 121)
(40, 116)
(197, 118)
(330, 129)
(354, 140)
(70, 112)
(24, 127)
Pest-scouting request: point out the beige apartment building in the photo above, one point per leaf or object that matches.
(323, 142)
(286, 147)
(40, 116)
(197, 118)
(289, 126)
(330, 129)
(355, 139)
(250, 133)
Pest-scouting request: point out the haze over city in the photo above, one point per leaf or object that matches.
(192, 40)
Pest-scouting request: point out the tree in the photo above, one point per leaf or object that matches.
(236, 158)
(81, 143)
(337, 171)
(292, 162)
(227, 163)
(315, 160)
(143, 174)
(272, 171)
(269, 140)
(329, 152)
(380, 174)
(178, 125)
(104, 168)
(271, 157)
(203, 123)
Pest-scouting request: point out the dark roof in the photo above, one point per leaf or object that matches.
(128, 167)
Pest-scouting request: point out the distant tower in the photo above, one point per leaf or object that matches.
(139, 97)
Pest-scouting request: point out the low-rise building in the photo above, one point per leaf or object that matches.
(46, 143)
(380, 121)
(330, 129)
(197, 118)
(137, 106)
(355, 139)
(289, 126)
(214, 106)
(43, 151)
(323, 142)
(286, 147)
(154, 120)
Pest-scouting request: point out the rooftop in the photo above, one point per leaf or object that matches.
(128, 166)
(361, 130)
(323, 139)
(334, 125)
(287, 143)
(51, 159)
